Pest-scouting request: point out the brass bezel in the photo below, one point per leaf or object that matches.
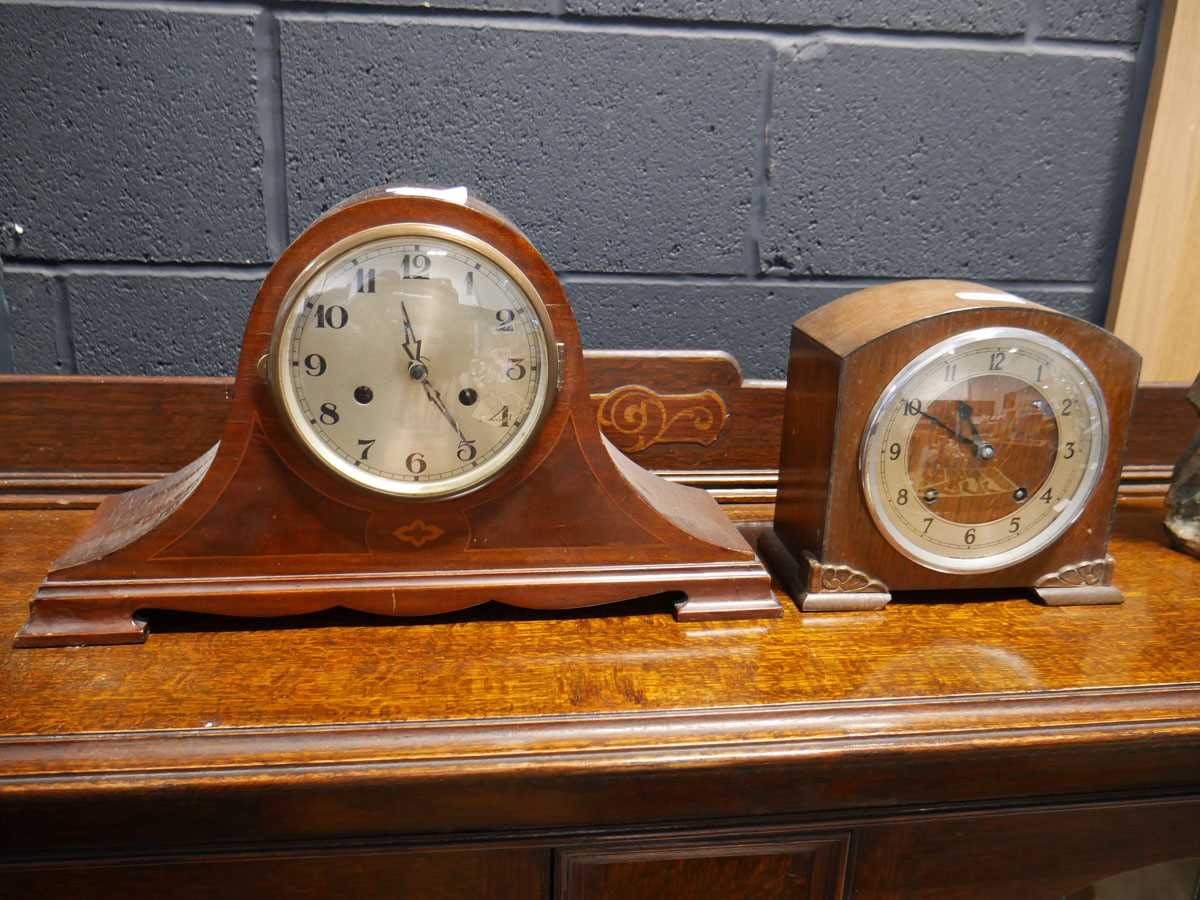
(278, 370)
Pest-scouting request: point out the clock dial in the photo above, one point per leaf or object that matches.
(984, 449)
(415, 360)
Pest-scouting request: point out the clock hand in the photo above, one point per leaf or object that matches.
(983, 449)
(958, 435)
(410, 336)
(435, 397)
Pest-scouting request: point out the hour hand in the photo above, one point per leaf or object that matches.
(412, 346)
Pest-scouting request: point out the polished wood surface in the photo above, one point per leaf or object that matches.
(477, 720)
(139, 429)
(1153, 304)
(858, 344)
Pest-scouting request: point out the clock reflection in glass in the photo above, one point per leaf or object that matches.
(415, 361)
(984, 449)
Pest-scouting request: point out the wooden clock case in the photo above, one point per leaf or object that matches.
(825, 547)
(256, 527)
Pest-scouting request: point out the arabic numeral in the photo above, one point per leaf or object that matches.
(505, 318)
(894, 452)
(314, 363)
(466, 451)
(501, 417)
(366, 447)
(912, 407)
(969, 537)
(414, 265)
(1066, 410)
(997, 361)
(1048, 496)
(902, 497)
(364, 281)
(329, 414)
(928, 521)
(515, 371)
(332, 317)
(951, 371)
(1014, 524)
(1069, 450)
(415, 463)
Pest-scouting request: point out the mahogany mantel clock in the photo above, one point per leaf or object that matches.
(940, 434)
(410, 434)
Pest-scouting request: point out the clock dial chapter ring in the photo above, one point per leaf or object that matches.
(983, 450)
(414, 360)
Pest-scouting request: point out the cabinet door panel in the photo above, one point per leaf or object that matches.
(759, 867)
(1033, 855)
(362, 875)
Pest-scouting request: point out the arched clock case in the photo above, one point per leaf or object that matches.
(276, 520)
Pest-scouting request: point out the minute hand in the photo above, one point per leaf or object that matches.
(435, 398)
(958, 435)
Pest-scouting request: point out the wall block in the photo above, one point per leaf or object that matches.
(897, 162)
(33, 317)
(613, 152)
(752, 319)
(130, 135)
(158, 324)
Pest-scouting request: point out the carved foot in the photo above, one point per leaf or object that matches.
(54, 623)
(820, 587)
(1087, 583)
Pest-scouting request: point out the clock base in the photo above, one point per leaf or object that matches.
(65, 613)
(1086, 583)
(821, 587)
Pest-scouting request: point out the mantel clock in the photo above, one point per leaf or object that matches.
(410, 433)
(941, 434)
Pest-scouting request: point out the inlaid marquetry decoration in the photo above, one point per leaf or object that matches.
(418, 532)
(635, 417)
(411, 433)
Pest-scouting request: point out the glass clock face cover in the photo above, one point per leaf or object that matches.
(414, 360)
(984, 449)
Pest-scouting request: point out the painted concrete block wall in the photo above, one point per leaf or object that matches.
(700, 172)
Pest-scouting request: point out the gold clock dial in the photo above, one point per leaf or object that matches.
(414, 360)
(984, 450)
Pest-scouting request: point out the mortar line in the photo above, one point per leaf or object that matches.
(7, 354)
(122, 268)
(258, 271)
(315, 11)
(64, 336)
(762, 164)
(269, 103)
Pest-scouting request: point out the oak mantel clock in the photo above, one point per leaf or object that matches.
(941, 434)
(410, 433)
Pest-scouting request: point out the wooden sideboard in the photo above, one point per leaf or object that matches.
(932, 749)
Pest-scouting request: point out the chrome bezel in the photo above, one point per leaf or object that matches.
(869, 475)
(279, 370)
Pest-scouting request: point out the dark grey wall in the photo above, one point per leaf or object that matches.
(700, 173)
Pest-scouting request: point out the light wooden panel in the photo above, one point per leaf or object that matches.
(1156, 289)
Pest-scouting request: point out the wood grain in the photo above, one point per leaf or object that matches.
(47, 462)
(497, 719)
(1153, 304)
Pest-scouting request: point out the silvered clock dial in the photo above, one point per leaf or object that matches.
(414, 360)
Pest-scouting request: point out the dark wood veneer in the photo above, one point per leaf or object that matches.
(256, 526)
